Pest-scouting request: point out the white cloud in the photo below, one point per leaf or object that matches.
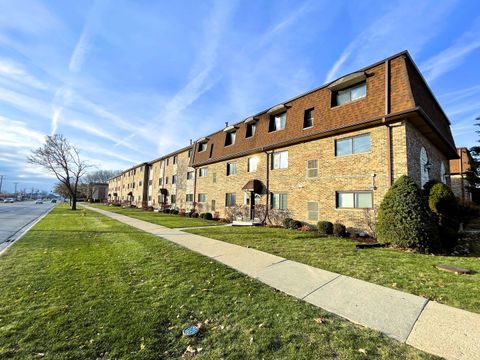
(15, 71)
(453, 56)
(403, 26)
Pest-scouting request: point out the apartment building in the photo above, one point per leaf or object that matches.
(460, 169)
(328, 154)
(130, 187)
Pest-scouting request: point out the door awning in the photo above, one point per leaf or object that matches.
(254, 185)
(163, 191)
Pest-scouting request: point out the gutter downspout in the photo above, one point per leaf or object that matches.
(388, 128)
(267, 206)
(461, 176)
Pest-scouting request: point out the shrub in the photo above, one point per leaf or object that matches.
(307, 228)
(174, 212)
(325, 227)
(208, 216)
(442, 201)
(194, 215)
(404, 218)
(166, 211)
(339, 230)
(202, 215)
(295, 224)
(287, 222)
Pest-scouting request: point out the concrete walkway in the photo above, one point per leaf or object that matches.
(427, 325)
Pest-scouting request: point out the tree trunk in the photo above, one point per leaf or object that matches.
(74, 202)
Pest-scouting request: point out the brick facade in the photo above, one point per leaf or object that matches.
(391, 112)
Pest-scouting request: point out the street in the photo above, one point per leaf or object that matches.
(14, 217)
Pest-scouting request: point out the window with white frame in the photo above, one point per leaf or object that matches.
(352, 145)
(230, 199)
(174, 179)
(312, 168)
(230, 138)
(250, 130)
(280, 160)
(202, 198)
(231, 168)
(308, 118)
(277, 122)
(202, 172)
(354, 199)
(173, 199)
(189, 198)
(352, 93)
(202, 147)
(214, 177)
(189, 175)
(252, 164)
(312, 210)
(279, 201)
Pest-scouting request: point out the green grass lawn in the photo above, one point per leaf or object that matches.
(168, 220)
(410, 272)
(82, 286)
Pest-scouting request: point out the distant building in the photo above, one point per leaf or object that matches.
(98, 192)
(459, 169)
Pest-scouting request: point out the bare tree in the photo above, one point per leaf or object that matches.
(101, 176)
(62, 159)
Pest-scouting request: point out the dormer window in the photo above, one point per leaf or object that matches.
(277, 122)
(202, 146)
(350, 94)
(250, 130)
(308, 118)
(230, 138)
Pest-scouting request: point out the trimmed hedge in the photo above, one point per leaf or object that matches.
(442, 201)
(405, 220)
(325, 227)
(208, 216)
(339, 230)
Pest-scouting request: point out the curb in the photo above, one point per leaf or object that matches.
(23, 230)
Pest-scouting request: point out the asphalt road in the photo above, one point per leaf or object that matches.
(14, 217)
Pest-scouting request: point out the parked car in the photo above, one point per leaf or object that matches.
(1, 200)
(39, 201)
(9, 200)
(54, 201)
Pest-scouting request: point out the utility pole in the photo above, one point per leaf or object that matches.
(1, 181)
(16, 188)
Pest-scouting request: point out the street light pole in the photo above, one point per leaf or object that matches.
(16, 188)
(1, 182)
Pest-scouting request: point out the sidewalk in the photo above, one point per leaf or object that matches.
(427, 325)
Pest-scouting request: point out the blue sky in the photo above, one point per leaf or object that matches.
(128, 81)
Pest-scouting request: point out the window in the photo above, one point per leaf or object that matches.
(230, 138)
(355, 200)
(189, 154)
(189, 175)
(214, 177)
(252, 164)
(349, 94)
(168, 160)
(203, 172)
(175, 159)
(280, 201)
(312, 210)
(277, 122)
(173, 199)
(231, 169)
(189, 198)
(250, 130)
(230, 199)
(280, 160)
(202, 198)
(308, 118)
(160, 181)
(133, 185)
(149, 197)
(174, 179)
(213, 205)
(352, 145)
(139, 184)
(312, 168)
(166, 180)
(202, 146)
(149, 182)
(211, 151)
